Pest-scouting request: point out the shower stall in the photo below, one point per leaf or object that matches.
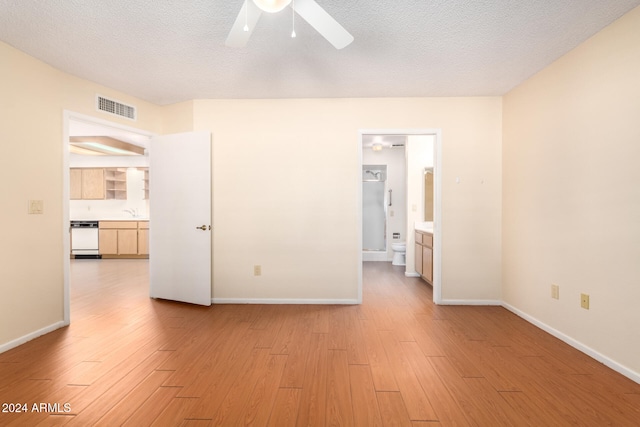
(374, 208)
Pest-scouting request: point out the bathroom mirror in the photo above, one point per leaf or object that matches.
(428, 194)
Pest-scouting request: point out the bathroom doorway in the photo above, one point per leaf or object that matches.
(408, 155)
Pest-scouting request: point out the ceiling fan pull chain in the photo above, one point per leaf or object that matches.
(246, 16)
(293, 19)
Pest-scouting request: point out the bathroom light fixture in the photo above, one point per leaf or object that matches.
(272, 6)
(376, 147)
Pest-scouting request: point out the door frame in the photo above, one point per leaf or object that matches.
(67, 117)
(437, 217)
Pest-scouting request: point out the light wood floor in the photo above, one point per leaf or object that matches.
(395, 360)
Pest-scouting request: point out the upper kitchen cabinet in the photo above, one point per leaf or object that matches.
(116, 183)
(87, 184)
(98, 183)
(145, 180)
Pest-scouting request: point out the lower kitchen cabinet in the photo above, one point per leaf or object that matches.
(123, 239)
(143, 238)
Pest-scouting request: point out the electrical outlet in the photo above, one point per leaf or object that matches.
(584, 301)
(555, 291)
(257, 270)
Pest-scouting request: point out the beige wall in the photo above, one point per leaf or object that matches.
(571, 184)
(285, 181)
(33, 98)
(177, 118)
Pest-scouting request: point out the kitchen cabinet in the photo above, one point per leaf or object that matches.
(98, 183)
(145, 179)
(115, 181)
(143, 238)
(87, 184)
(124, 239)
(424, 255)
(75, 184)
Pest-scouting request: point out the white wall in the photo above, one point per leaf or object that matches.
(571, 203)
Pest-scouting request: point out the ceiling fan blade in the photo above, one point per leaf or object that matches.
(238, 37)
(324, 23)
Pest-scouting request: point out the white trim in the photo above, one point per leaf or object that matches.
(629, 373)
(409, 274)
(30, 336)
(67, 117)
(437, 229)
(358, 184)
(486, 302)
(285, 301)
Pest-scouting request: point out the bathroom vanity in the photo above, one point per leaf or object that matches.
(424, 255)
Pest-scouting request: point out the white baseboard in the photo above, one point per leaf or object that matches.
(23, 339)
(283, 301)
(632, 375)
(414, 274)
(469, 302)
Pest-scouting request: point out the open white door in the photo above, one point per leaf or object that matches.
(180, 217)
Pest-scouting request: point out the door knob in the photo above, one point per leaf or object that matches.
(203, 228)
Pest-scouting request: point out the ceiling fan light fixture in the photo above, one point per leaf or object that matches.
(272, 6)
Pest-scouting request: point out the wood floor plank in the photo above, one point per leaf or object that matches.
(269, 324)
(230, 409)
(414, 397)
(534, 411)
(313, 400)
(381, 372)
(445, 405)
(474, 412)
(131, 403)
(100, 397)
(337, 339)
(392, 409)
(259, 406)
(147, 413)
(356, 346)
(285, 408)
(339, 405)
(298, 350)
(366, 412)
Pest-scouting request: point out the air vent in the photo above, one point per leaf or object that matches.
(115, 107)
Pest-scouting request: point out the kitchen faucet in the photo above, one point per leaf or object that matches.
(132, 211)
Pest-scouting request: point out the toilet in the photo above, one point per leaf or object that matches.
(399, 253)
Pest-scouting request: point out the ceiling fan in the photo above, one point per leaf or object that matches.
(308, 10)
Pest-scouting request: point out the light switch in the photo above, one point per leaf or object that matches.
(36, 207)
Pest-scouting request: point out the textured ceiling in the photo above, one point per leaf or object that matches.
(168, 51)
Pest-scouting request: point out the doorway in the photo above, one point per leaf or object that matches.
(79, 125)
(426, 143)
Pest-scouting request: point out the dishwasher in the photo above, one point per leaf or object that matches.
(84, 239)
